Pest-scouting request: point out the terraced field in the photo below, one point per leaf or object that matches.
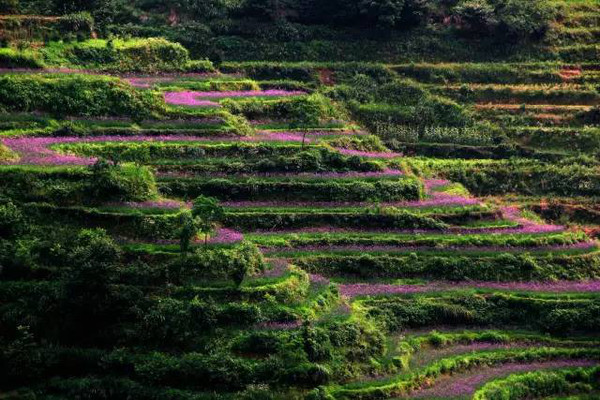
(419, 228)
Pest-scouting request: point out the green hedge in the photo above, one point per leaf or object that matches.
(570, 177)
(11, 58)
(83, 95)
(503, 267)
(540, 384)
(78, 185)
(137, 55)
(294, 189)
(548, 313)
(273, 221)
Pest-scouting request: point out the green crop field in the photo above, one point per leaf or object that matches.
(299, 199)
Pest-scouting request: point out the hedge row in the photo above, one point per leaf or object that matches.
(568, 178)
(298, 190)
(83, 95)
(78, 185)
(559, 314)
(541, 383)
(503, 267)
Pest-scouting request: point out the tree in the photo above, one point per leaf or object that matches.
(87, 297)
(476, 16)
(509, 20)
(12, 221)
(207, 212)
(385, 14)
(188, 230)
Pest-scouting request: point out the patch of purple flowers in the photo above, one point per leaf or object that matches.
(196, 98)
(188, 99)
(465, 384)
(402, 249)
(37, 151)
(280, 325)
(225, 235)
(379, 289)
(369, 154)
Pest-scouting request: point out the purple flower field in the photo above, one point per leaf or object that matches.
(380, 289)
(369, 154)
(36, 151)
(195, 98)
(280, 325)
(458, 249)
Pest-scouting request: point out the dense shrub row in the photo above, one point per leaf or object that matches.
(491, 73)
(98, 183)
(566, 178)
(12, 58)
(300, 110)
(297, 189)
(503, 267)
(85, 95)
(560, 315)
(272, 221)
(541, 383)
(140, 55)
(302, 160)
(517, 95)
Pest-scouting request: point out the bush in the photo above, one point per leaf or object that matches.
(94, 185)
(589, 117)
(80, 22)
(126, 183)
(503, 267)
(511, 20)
(83, 95)
(10, 58)
(541, 384)
(12, 221)
(140, 55)
(308, 190)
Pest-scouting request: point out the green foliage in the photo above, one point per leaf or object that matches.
(208, 212)
(87, 299)
(12, 221)
(127, 182)
(140, 55)
(469, 309)
(12, 58)
(502, 267)
(310, 190)
(86, 95)
(99, 183)
(541, 383)
(507, 19)
(188, 230)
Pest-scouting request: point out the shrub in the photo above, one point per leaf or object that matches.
(507, 19)
(12, 221)
(82, 22)
(589, 117)
(541, 384)
(84, 95)
(11, 58)
(140, 55)
(125, 183)
(309, 190)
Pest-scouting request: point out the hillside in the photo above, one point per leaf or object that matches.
(299, 199)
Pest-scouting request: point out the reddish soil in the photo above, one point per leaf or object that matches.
(570, 72)
(326, 77)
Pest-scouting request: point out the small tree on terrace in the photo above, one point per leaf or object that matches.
(207, 212)
(187, 231)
